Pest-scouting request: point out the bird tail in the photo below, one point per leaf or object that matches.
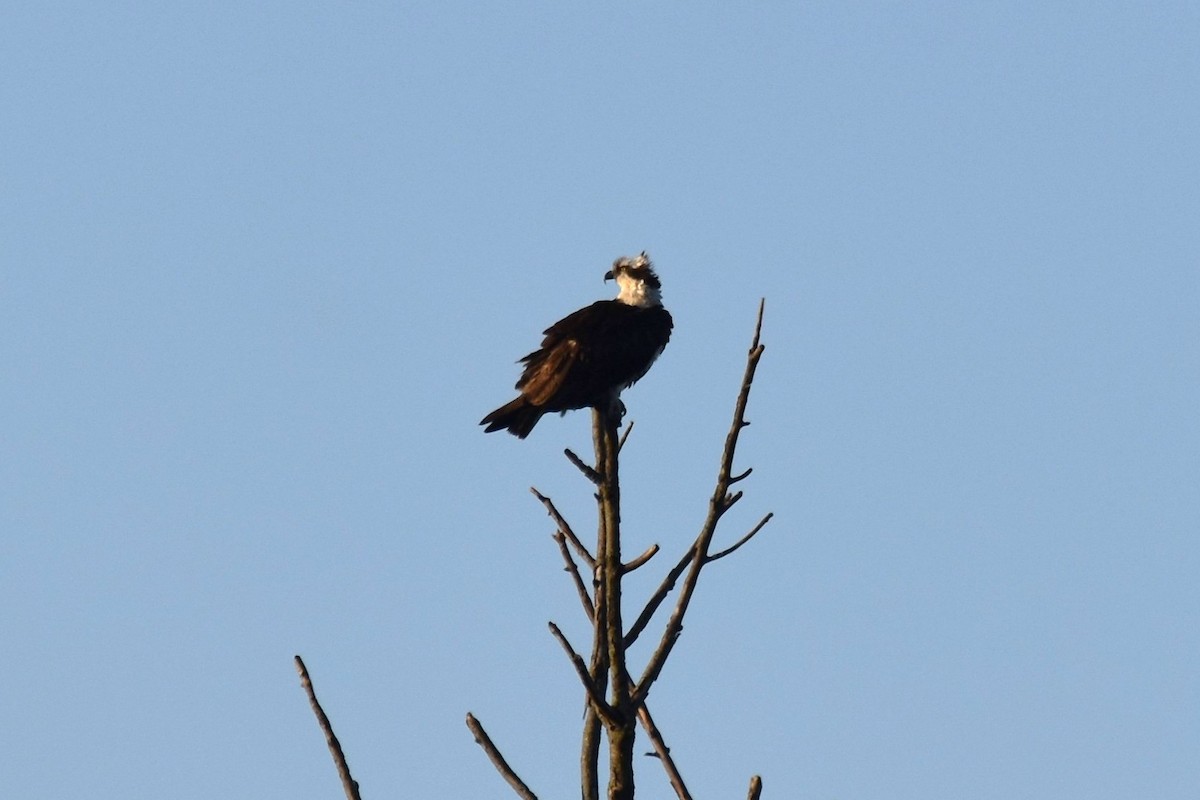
(518, 417)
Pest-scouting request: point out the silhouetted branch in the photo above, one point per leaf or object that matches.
(743, 476)
(565, 528)
(668, 582)
(589, 473)
(335, 748)
(561, 536)
(719, 503)
(656, 599)
(589, 755)
(625, 435)
(497, 759)
(663, 753)
(755, 788)
(651, 551)
(598, 672)
(620, 725)
(563, 525)
(585, 677)
(572, 568)
(761, 523)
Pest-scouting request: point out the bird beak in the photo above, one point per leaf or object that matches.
(608, 276)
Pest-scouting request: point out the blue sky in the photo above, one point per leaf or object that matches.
(264, 266)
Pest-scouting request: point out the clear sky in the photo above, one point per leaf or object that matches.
(263, 267)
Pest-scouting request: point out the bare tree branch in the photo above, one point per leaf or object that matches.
(621, 726)
(572, 568)
(743, 476)
(589, 473)
(497, 759)
(668, 583)
(565, 527)
(597, 699)
(625, 435)
(562, 535)
(598, 672)
(755, 788)
(656, 599)
(335, 748)
(718, 505)
(663, 753)
(589, 755)
(732, 548)
(651, 551)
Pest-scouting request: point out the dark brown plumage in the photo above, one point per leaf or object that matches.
(587, 358)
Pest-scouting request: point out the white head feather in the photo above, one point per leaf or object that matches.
(636, 282)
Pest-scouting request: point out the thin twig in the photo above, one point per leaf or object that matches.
(755, 788)
(587, 471)
(625, 435)
(565, 528)
(717, 506)
(561, 536)
(660, 594)
(732, 548)
(572, 568)
(642, 559)
(585, 677)
(743, 476)
(668, 583)
(335, 748)
(663, 753)
(497, 759)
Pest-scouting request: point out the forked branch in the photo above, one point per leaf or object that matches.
(733, 548)
(595, 697)
(563, 535)
(656, 599)
(720, 502)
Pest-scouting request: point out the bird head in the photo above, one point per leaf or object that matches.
(637, 283)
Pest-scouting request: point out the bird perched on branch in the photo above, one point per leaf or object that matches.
(589, 357)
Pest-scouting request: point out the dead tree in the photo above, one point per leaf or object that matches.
(616, 700)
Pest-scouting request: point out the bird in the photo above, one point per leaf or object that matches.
(589, 357)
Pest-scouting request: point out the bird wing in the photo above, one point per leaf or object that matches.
(547, 369)
(592, 352)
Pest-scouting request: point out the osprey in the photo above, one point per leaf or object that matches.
(588, 357)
